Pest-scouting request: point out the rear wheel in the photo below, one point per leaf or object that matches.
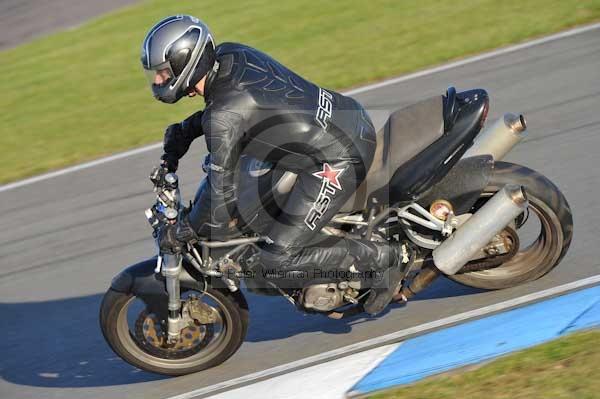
(545, 230)
(140, 337)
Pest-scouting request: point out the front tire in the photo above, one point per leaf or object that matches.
(556, 230)
(118, 333)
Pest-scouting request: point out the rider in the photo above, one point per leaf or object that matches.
(257, 106)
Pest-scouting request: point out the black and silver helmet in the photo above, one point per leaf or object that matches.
(176, 54)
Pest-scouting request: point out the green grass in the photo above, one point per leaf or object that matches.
(81, 94)
(565, 368)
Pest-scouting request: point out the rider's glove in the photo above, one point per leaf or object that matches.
(172, 238)
(169, 162)
(178, 138)
(174, 147)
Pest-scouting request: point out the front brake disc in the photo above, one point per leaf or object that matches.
(150, 335)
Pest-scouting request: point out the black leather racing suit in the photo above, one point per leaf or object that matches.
(258, 107)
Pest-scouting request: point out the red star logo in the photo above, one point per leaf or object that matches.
(331, 175)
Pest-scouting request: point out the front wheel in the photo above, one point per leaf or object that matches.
(545, 230)
(139, 337)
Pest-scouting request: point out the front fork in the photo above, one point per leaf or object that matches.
(171, 269)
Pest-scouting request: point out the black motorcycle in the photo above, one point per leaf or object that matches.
(437, 188)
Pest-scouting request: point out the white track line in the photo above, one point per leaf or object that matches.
(388, 339)
(445, 67)
(484, 56)
(79, 167)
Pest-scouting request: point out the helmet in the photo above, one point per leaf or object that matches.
(176, 54)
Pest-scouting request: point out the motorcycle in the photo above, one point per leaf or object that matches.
(437, 186)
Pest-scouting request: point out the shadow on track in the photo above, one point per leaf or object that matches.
(59, 344)
(274, 318)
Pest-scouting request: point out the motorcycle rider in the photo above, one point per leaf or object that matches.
(257, 106)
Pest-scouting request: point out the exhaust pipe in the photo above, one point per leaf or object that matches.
(479, 229)
(498, 139)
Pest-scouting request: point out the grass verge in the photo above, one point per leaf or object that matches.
(80, 94)
(564, 368)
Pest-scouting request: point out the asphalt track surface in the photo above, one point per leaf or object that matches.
(64, 238)
(23, 20)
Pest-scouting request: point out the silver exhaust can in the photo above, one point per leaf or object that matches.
(466, 242)
(499, 138)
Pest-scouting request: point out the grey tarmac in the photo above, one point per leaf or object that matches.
(24, 20)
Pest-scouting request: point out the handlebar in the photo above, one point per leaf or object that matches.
(167, 208)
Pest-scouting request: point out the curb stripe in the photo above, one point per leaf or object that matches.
(483, 339)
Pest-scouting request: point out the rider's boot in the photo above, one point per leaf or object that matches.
(386, 261)
(389, 263)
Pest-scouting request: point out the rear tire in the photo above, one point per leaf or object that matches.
(113, 322)
(556, 231)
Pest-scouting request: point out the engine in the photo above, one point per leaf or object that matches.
(322, 297)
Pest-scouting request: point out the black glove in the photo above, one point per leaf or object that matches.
(172, 238)
(169, 162)
(178, 138)
(174, 147)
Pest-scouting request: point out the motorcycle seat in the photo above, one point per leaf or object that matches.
(407, 132)
(416, 144)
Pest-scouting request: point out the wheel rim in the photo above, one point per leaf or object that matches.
(219, 339)
(545, 249)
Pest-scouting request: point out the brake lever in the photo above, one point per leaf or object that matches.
(159, 261)
(157, 177)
